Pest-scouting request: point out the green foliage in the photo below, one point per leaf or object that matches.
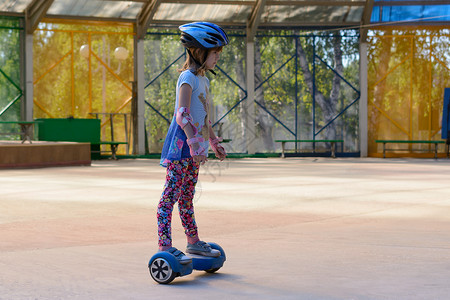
(162, 50)
(56, 46)
(280, 91)
(410, 69)
(10, 66)
(225, 92)
(62, 83)
(68, 84)
(278, 72)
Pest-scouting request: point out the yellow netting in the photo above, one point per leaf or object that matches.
(408, 71)
(84, 69)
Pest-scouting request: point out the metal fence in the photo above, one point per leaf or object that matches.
(306, 88)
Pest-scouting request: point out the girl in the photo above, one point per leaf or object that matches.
(186, 144)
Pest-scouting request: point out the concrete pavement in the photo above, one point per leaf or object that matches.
(296, 228)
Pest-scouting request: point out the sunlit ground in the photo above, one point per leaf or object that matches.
(296, 228)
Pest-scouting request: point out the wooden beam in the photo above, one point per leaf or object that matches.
(310, 24)
(35, 12)
(11, 14)
(280, 2)
(316, 3)
(219, 2)
(365, 19)
(93, 20)
(412, 2)
(363, 100)
(255, 19)
(145, 17)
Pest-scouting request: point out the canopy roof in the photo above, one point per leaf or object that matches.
(251, 14)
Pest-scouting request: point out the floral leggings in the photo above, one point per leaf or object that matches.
(179, 187)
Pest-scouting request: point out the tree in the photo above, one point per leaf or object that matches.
(162, 50)
(274, 67)
(264, 121)
(65, 86)
(409, 68)
(10, 69)
(327, 104)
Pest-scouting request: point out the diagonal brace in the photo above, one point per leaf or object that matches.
(255, 18)
(35, 12)
(145, 17)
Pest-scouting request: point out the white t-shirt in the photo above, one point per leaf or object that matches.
(175, 145)
(199, 102)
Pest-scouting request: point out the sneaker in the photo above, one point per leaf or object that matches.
(202, 248)
(180, 256)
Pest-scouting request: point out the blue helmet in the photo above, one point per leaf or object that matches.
(203, 35)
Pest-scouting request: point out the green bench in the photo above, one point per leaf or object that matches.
(384, 142)
(76, 130)
(332, 143)
(26, 129)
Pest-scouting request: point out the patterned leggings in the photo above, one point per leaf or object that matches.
(179, 187)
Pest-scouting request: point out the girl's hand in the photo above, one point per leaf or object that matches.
(218, 148)
(220, 152)
(200, 159)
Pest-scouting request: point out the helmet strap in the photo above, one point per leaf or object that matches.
(196, 61)
(192, 57)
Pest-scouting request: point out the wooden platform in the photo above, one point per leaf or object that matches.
(14, 154)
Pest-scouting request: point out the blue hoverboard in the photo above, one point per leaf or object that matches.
(164, 267)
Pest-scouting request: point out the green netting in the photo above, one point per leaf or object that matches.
(85, 71)
(408, 71)
(284, 108)
(10, 87)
